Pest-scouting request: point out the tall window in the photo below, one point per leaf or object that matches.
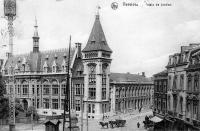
(175, 82)
(63, 88)
(92, 74)
(169, 82)
(46, 89)
(78, 105)
(46, 103)
(62, 104)
(25, 88)
(181, 81)
(91, 108)
(195, 109)
(169, 102)
(103, 93)
(189, 83)
(55, 103)
(196, 82)
(181, 105)
(77, 89)
(174, 102)
(92, 93)
(188, 108)
(55, 88)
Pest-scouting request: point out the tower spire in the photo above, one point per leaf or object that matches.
(36, 38)
(97, 40)
(97, 14)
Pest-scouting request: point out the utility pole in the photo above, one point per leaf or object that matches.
(10, 15)
(67, 100)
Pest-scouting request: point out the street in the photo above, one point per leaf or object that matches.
(131, 123)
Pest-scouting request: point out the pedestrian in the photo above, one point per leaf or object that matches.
(138, 125)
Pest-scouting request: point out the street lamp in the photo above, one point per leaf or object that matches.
(10, 15)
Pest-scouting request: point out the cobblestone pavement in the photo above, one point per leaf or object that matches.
(131, 123)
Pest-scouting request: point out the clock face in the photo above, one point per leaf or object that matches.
(10, 7)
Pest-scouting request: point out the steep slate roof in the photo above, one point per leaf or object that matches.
(97, 40)
(127, 77)
(36, 60)
(162, 73)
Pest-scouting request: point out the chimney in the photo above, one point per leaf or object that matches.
(78, 46)
(143, 74)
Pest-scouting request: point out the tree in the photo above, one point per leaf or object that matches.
(4, 107)
(32, 110)
(2, 86)
(4, 102)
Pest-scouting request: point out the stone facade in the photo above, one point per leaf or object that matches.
(180, 115)
(130, 92)
(160, 94)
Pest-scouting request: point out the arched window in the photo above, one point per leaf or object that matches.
(25, 88)
(63, 88)
(55, 88)
(46, 87)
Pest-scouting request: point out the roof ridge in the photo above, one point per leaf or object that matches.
(55, 50)
(23, 54)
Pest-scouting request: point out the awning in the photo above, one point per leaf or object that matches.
(156, 119)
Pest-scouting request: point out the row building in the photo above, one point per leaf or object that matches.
(182, 76)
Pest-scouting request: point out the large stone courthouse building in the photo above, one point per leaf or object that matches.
(40, 79)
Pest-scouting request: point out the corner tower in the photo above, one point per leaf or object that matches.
(96, 61)
(36, 38)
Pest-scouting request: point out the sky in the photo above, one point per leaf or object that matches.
(141, 37)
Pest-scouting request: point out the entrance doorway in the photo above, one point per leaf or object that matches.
(25, 104)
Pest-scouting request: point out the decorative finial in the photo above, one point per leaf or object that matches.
(98, 8)
(36, 22)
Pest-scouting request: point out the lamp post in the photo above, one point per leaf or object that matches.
(10, 15)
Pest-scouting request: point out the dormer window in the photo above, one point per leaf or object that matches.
(16, 69)
(93, 40)
(193, 61)
(53, 68)
(45, 67)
